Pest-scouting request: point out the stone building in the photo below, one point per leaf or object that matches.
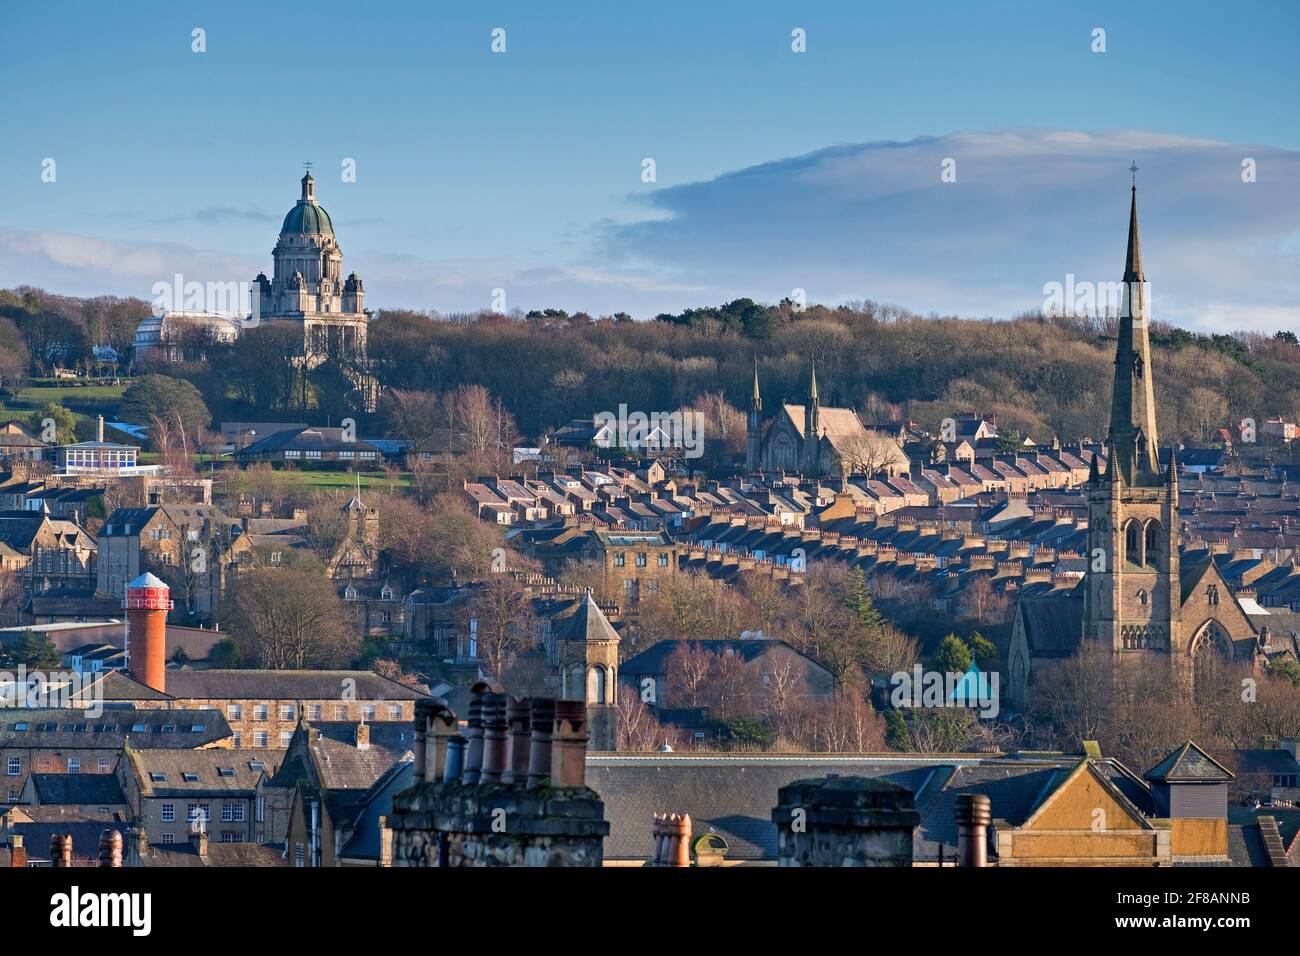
(818, 441)
(582, 647)
(308, 287)
(1140, 600)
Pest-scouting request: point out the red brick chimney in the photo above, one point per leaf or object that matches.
(17, 852)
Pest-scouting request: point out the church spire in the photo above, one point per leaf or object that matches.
(756, 400)
(812, 392)
(1133, 405)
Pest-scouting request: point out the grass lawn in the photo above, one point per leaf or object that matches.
(89, 399)
(331, 480)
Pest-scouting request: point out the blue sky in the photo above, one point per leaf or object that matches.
(775, 170)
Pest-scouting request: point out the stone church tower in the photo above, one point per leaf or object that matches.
(1142, 598)
(1133, 602)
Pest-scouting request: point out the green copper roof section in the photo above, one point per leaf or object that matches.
(308, 216)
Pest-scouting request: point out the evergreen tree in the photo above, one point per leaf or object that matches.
(952, 656)
(896, 732)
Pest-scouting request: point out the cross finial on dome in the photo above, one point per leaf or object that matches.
(308, 193)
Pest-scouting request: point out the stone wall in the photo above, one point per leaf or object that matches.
(845, 821)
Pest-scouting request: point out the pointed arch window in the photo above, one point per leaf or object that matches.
(1151, 544)
(1133, 542)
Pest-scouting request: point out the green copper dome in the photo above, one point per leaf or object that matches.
(308, 217)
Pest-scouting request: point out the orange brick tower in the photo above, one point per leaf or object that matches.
(147, 602)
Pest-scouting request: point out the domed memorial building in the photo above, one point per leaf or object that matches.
(308, 286)
(308, 289)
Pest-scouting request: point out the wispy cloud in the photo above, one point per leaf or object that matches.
(865, 220)
(1027, 207)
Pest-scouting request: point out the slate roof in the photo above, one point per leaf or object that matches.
(377, 802)
(1053, 624)
(1189, 764)
(101, 789)
(72, 728)
(179, 773)
(735, 794)
(654, 659)
(306, 439)
(236, 684)
(219, 854)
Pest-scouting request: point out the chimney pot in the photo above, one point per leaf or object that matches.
(542, 724)
(110, 848)
(518, 713)
(473, 742)
(494, 738)
(454, 766)
(974, 814)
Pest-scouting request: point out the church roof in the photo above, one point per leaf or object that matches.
(1053, 624)
(838, 424)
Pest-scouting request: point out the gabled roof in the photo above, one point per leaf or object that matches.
(1189, 764)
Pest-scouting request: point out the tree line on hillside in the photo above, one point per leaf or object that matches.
(1041, 375)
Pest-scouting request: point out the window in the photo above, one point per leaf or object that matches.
(169, 838)
(105, 764)
(261, 711)
(394, 711)
(663, 560)
(640, 559)
(340, 712)
(15, 766)
(620, 559)
(285, 737)
(286, 711)
(367, 711)
(237, 739)
(314, 711)
(261, 809)
(227, 813)
(260, 739)
(237, 812)
(168, 813)
(199, 812)
(256, 766)
(234, 712)
(156, 777)
(190, 777)
(74, 765)
(225, 771)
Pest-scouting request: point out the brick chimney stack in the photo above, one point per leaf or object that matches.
(147, 602)
(974, 814)
(363, 736)
(17, 852)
